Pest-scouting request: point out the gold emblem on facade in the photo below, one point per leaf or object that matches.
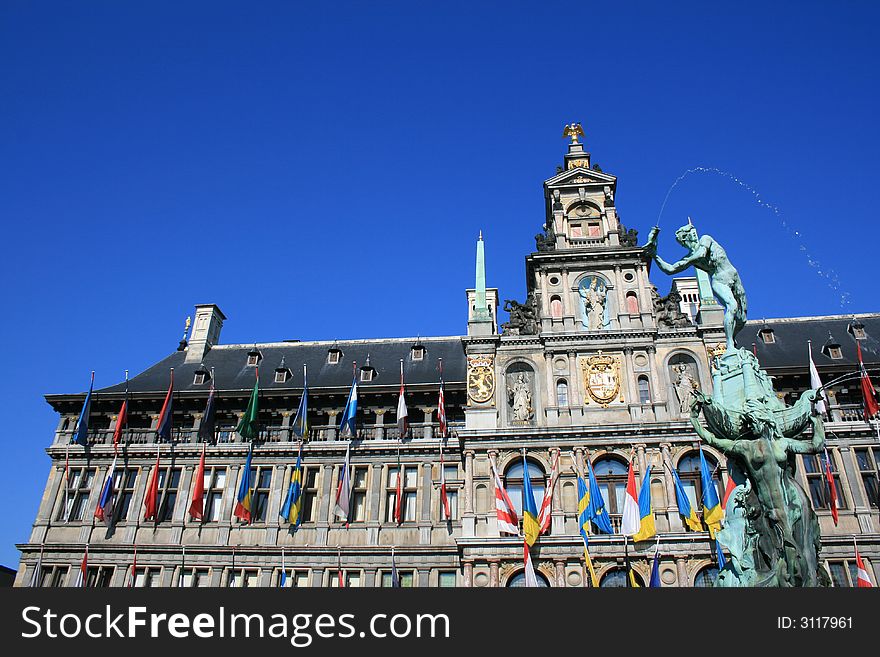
(481, 378)
(715, 351)
(602, 378)
(574, 164)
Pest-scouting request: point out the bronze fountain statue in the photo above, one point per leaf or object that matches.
(770, 527)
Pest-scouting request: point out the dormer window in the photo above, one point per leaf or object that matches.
(334, 356)
(577, 230)
(594, 229)
(201, 376)
(367, 374)
(857, 329)
(254, 357)
(767, 336)
(832, 348)
(281, 375)
(417, 352)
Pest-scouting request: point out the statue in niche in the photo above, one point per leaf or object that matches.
(523, 317)
(594, 298)
(685, 386)
(519, 395)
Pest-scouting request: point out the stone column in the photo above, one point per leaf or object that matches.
(428, 430)
(326, 512)
(468, 569)
(575, 394)
(675, 523)
(380, 423)
(640, 456)
(560, 573)
(681, 572)
(493, 573)
(630, 376)
(557, 511)
(469, 482)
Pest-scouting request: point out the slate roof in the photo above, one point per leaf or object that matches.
(789, 350)
(231, 371)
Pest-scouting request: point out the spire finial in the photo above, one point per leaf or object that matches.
(573, 130)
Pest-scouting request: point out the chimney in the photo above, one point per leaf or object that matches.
(205, 332)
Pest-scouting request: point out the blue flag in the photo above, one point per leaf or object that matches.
(596, 510)
(346, 426)
(655, 571)
(301, 421)
(292, 509)
(81, 434)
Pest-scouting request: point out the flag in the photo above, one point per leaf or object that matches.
(398, 493)
(343, 491)
(632, 580)
(631, 520)
(197, 506)
(402, 417)
(721, 560)
(531, 577)
(441, 407)
(347, 426)
(444, 496)
(82, 579)
(862, 579)
(104, 510)
(282, 581)
(340, 577)
(151, 499)
(531, 528)
(395, 577)
(815, 381)
(81, 433)
(832, 489)
(133, 569)
(122, 418)
(654, 583)
(248, 427)
(504, 513)
(209, 417)
(242, 509)
(292, 509)
(594, 581)
(871, 407)
(545, 513)
(712, 512)
(596, 512)
(731, 486)
(163, 429)
(647, 528)
(684, 505)
(301, 421)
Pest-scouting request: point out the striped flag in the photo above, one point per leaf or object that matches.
(531, 529)
(104, 510)
(121, 419)
(544, 514)
(731, 486)
(832, 489)
(632, 520)
(402, 416)
(531, 577)
(506, 516)
(242, 509)
(441, 407)
(151, 499)
(862, 579)
(347, 426)
(81, 433)
(871, 407)
(343, 491)
(815, 381)
(82, 579)
(292, 509)
(163, 430)
(197, 506)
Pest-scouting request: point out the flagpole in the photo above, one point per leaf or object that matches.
(626, 559)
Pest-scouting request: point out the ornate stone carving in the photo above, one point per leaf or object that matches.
(523, 317)
(685, 384)
(519, 396)
(546, 241)
(667, 310)
(628, 236)
(481, 378)
(601, 375)
(594, 296)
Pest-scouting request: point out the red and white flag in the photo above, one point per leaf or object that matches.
(441, 407)
(197, 506)
(82, 580)
(151, 500)
(444, 497)
(632, 519)
(134, 565)
(531, 577)
(544, 513)
(731, 486)
(832, 489)
(871, 407)
(402, 417)
(507, 520)
(815, 381)
(862, 579)
(343, 491)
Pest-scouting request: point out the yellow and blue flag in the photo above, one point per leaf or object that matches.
(531, 528)
(301, 421)
(646, 513)
(712, 511)
(684, 505)
(243, 503)
(292, 509)
(596, 511)
(584, 526)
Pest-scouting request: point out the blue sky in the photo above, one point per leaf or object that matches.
(322, 172)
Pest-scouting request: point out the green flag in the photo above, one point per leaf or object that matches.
(248, 427)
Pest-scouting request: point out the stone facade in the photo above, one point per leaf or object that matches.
(595, 364)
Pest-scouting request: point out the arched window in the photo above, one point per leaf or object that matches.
(555, 306)
(705, 577)
(616, 578)
(562, 392)
(644, 390)
(519, 580)
(513, 482)
(611, 475)
(632, 303)
(691, 481)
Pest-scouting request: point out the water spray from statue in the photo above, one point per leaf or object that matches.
(828, 275)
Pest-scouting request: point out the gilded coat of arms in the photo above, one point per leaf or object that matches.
(481, 378)
(602, 378)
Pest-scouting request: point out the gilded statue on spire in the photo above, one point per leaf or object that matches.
(573, 130)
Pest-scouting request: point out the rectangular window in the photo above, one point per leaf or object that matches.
(298, 579)
(594, 229)
(814, 468)
(169, 481)
(194, 577)
(406, 577)
(280, 376)
(359, 494)
(577, 230)
(366, 374)
(215, 484)
(99, 576)
(352, 578)
(452, 498)
(446, 579)
(54, 576)
(79, 487)
(199, 378)
(243, 578)
(261, 482)
(844, 573)
(410, 489)
(867, 459)
(147, 577)
(310, 494)
(123, 490)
